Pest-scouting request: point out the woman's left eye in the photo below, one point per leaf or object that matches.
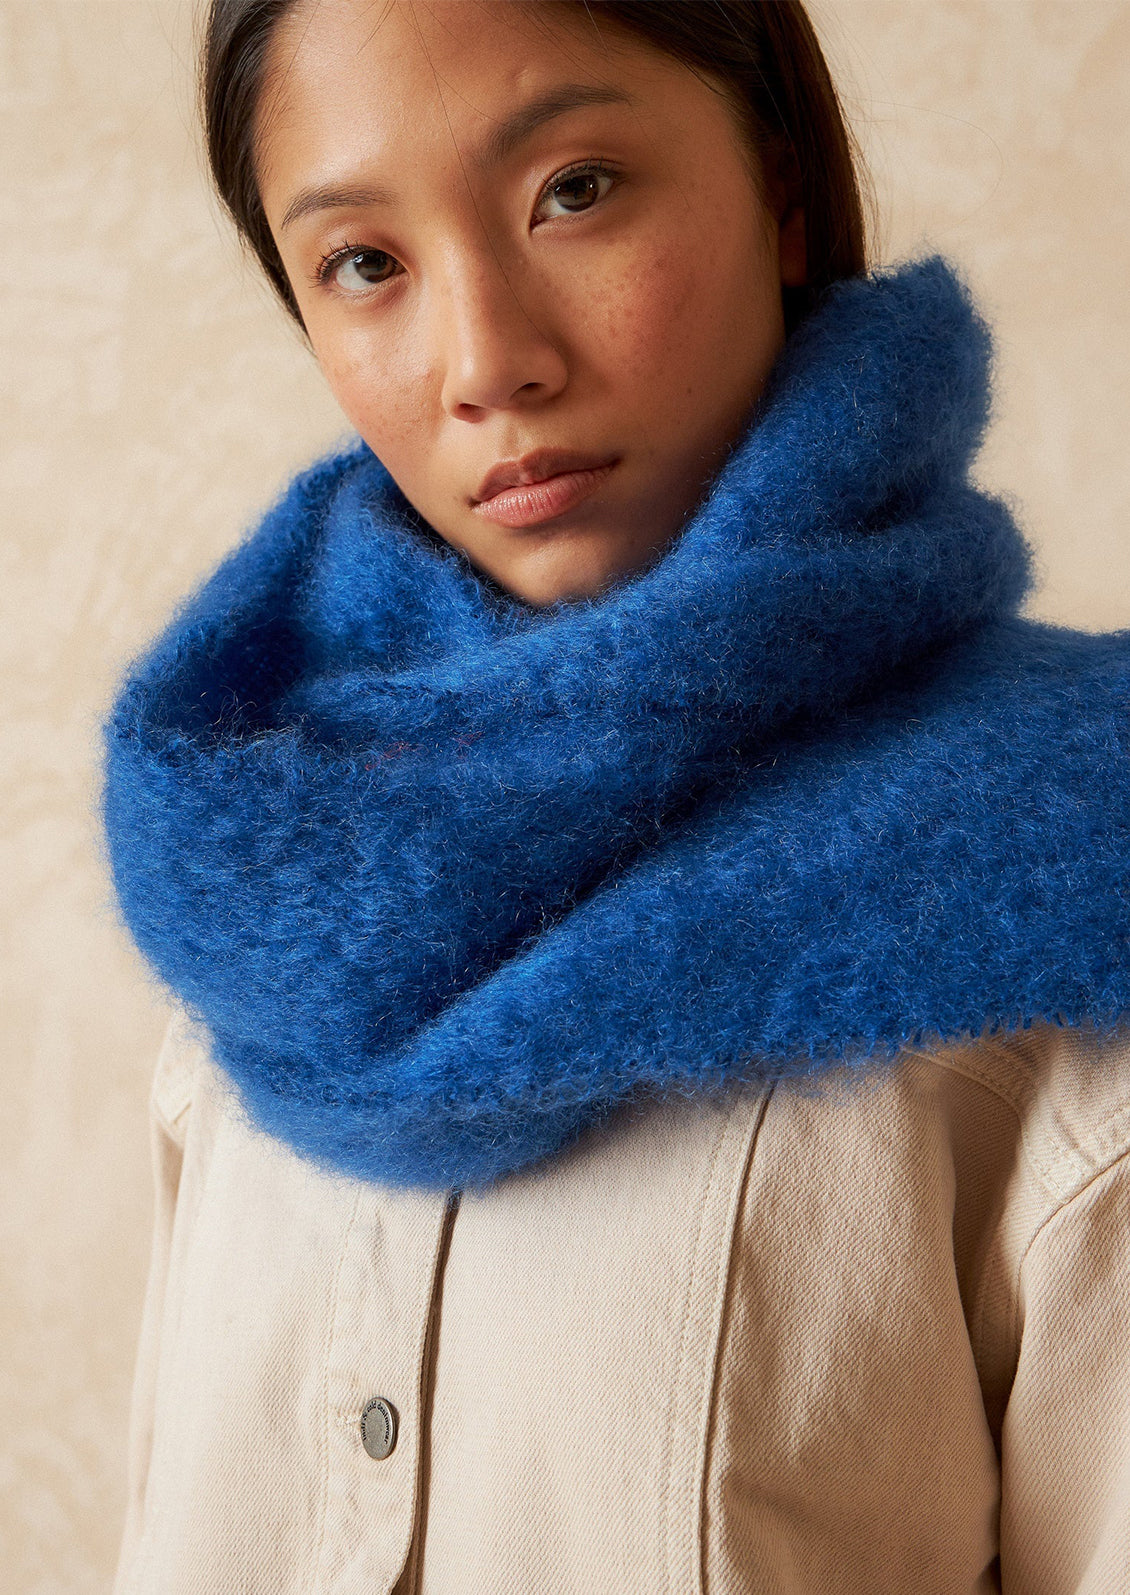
(575, 190)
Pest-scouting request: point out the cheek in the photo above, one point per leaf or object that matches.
(381, 392)
(676, 320)
(636, 314)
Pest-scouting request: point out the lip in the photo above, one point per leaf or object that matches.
(539, 486)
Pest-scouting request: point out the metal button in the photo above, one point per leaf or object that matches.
(378, 1427)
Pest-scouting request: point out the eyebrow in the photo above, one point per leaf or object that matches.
(502, 141)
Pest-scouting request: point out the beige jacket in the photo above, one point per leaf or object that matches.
(873, 1337)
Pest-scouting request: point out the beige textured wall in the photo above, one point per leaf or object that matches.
(152, 398)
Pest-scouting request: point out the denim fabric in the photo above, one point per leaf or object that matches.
(862, 1335)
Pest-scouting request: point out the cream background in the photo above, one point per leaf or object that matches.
(153, 399)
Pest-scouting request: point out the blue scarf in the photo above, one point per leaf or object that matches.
(448, 877)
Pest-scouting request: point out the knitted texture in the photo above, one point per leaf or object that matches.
(447, 877)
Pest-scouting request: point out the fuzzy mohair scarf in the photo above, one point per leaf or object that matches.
(447, 877)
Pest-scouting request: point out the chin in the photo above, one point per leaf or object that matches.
(560, 571)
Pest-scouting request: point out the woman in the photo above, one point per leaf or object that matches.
(649, 1098)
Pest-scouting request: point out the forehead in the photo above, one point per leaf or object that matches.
(344, 79)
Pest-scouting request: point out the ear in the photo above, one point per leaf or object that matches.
(792, 239)
(792, 248)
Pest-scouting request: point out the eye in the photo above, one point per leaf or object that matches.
(354, 269)
(576, 189)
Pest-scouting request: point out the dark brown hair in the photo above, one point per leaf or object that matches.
(764, 52)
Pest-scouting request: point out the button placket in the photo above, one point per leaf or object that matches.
(382, 1309)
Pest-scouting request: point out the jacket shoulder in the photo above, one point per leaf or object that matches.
(183, 1062)
(1069, 1086)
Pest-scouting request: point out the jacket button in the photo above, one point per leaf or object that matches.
(378, 1427)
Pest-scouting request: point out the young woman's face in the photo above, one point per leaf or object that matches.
(534, 266)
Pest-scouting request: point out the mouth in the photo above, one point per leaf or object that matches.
(539, 486)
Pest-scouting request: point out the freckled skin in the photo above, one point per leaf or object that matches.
(641, 326)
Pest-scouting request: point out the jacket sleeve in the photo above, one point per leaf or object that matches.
(1065, 1440)
(170, 1099)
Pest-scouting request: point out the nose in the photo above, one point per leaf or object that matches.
(494, 350)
